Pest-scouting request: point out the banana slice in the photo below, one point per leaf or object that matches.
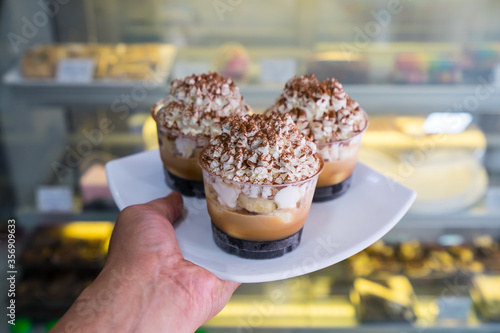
(256, 205)
(285, 216)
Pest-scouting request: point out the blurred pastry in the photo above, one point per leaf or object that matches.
(411, 250)
(232, 60)
(150, 62)
(486, 296)
(387, 300)
(348, 68)
(40, 63)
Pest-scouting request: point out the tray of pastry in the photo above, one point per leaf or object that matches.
(76, 245)
(47, 294)
(389, 299)
(151, 62)
(425, 261)
(485, 293)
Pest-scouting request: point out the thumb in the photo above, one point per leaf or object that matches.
(169, 206)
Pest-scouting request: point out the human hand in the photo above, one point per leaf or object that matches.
(146, 285)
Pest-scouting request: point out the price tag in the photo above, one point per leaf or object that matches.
(455, 307)
(493, 199)
(54, 199)
(75, 71)
(277, 70)
(496, 75)
(446, 122)
(188, 68)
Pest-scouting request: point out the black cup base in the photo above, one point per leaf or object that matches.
(254, 249)
(326, 193)
(189, 188)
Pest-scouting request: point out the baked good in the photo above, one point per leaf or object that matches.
(389, 299)
(334, 122)
(259, 175)
(486, 296)
(186, 119)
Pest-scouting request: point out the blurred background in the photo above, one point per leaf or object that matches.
(78, 80)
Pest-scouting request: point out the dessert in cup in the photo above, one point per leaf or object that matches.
(259, 174)
(327, 115)
(186, 119)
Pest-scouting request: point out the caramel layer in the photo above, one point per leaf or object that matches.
(335, 172)
(257, 227)
(186, 168)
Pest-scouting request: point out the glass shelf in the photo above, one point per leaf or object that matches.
(400, 99)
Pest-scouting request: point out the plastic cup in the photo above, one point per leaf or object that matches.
(179, 154)
(340, 159)
(257, 221)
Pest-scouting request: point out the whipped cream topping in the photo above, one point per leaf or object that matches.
(322, 110)
(197, 104)
(261, 149)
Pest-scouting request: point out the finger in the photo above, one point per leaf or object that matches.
(225, 291)
(227, 288)
(230, 286)
(169, 206)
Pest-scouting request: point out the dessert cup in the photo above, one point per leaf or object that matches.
(257, 221)
(186, 118)
(324, 113)
(179, 155)
(340, 159)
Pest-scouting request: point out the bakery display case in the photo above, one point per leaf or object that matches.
(399, 284)
(79, 93)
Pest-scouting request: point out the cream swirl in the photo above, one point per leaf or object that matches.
(261, 149)
(197, 104)
(322, 110)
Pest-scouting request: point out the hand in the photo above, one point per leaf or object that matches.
(146, 285)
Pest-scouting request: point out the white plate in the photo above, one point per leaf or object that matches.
(334, 230)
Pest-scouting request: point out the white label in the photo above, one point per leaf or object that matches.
(493, 199)
(188, 68)
(277, 70)
(54, 199)
(75, 70)
(459, 308)
(446, 122)
(496, 75)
